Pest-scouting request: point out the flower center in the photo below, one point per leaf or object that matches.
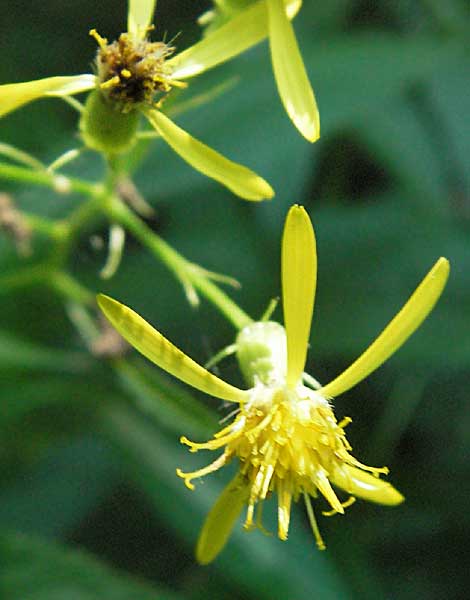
(133, 72)
(288, 442)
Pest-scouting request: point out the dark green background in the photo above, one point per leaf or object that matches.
(88, 460)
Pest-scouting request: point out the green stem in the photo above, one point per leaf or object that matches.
(24, 277)
(21, 157)
(84, 214)
(117, 211)
(44, 179)
(70, 288)
(102, 200)
(53, 229)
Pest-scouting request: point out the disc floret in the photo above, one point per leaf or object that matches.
(133, 71)
(288, 442)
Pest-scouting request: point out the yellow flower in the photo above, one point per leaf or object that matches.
(131, 72)
(242, 25)
(285, 434)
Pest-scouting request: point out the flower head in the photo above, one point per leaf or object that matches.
(133, 76)
(132, 71)
(284, 434)
(235, 25)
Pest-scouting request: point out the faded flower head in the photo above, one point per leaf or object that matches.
(133, 71)
(133, 76)
(284, 433)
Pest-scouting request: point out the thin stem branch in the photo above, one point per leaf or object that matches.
(183, 269)
(70, 288)
(59, 183)
(103, 201)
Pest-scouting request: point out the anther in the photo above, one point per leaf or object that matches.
(110, 83)
(101, 41)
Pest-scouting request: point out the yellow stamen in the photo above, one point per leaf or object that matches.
(110, 83)
(346, 504)
(376, 471)
(259, 520)
(284, 505)
(313, 523)
(325, 488)
(101, 41)
(344, 422)
(229, 427)
(214, 466)
(179, 84)
(126, 73)
(248, 524)
(211, 444)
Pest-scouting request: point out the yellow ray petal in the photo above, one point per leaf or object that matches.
(149, 342)
(397, 331)
(364, 485)
(221, 520)
(139, 17)
(14, 95)
(246, 29)
(291, 77)
(241, 181)
(299, 278)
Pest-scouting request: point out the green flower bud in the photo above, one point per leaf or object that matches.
(262, 352)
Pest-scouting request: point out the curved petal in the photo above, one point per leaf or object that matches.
(299, 278)
(241, 181)
(14, 95)
(149, 342)
(246, 29)
(221, 520)
(289, 70)
(139, 17)
(397, 331)
(359, 483)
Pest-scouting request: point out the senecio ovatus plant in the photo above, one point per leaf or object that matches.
(284, 432)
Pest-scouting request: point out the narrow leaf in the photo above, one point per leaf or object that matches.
(34, 569)
(299, 278)
(246, 29)
(241, 181)
(397, 331)
(14, 95)
(291, 77)
(364, 485)
(149, 342)
(139, 17)
(221, 520)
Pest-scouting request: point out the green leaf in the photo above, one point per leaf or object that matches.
(16, 353)
(52, 495)
(168, 403)
(33, 569)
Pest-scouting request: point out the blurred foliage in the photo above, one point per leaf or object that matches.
(89, 447)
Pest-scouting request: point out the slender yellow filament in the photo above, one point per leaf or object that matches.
(347, 503)
(211, 444)
(214, 466)
(313, 523)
